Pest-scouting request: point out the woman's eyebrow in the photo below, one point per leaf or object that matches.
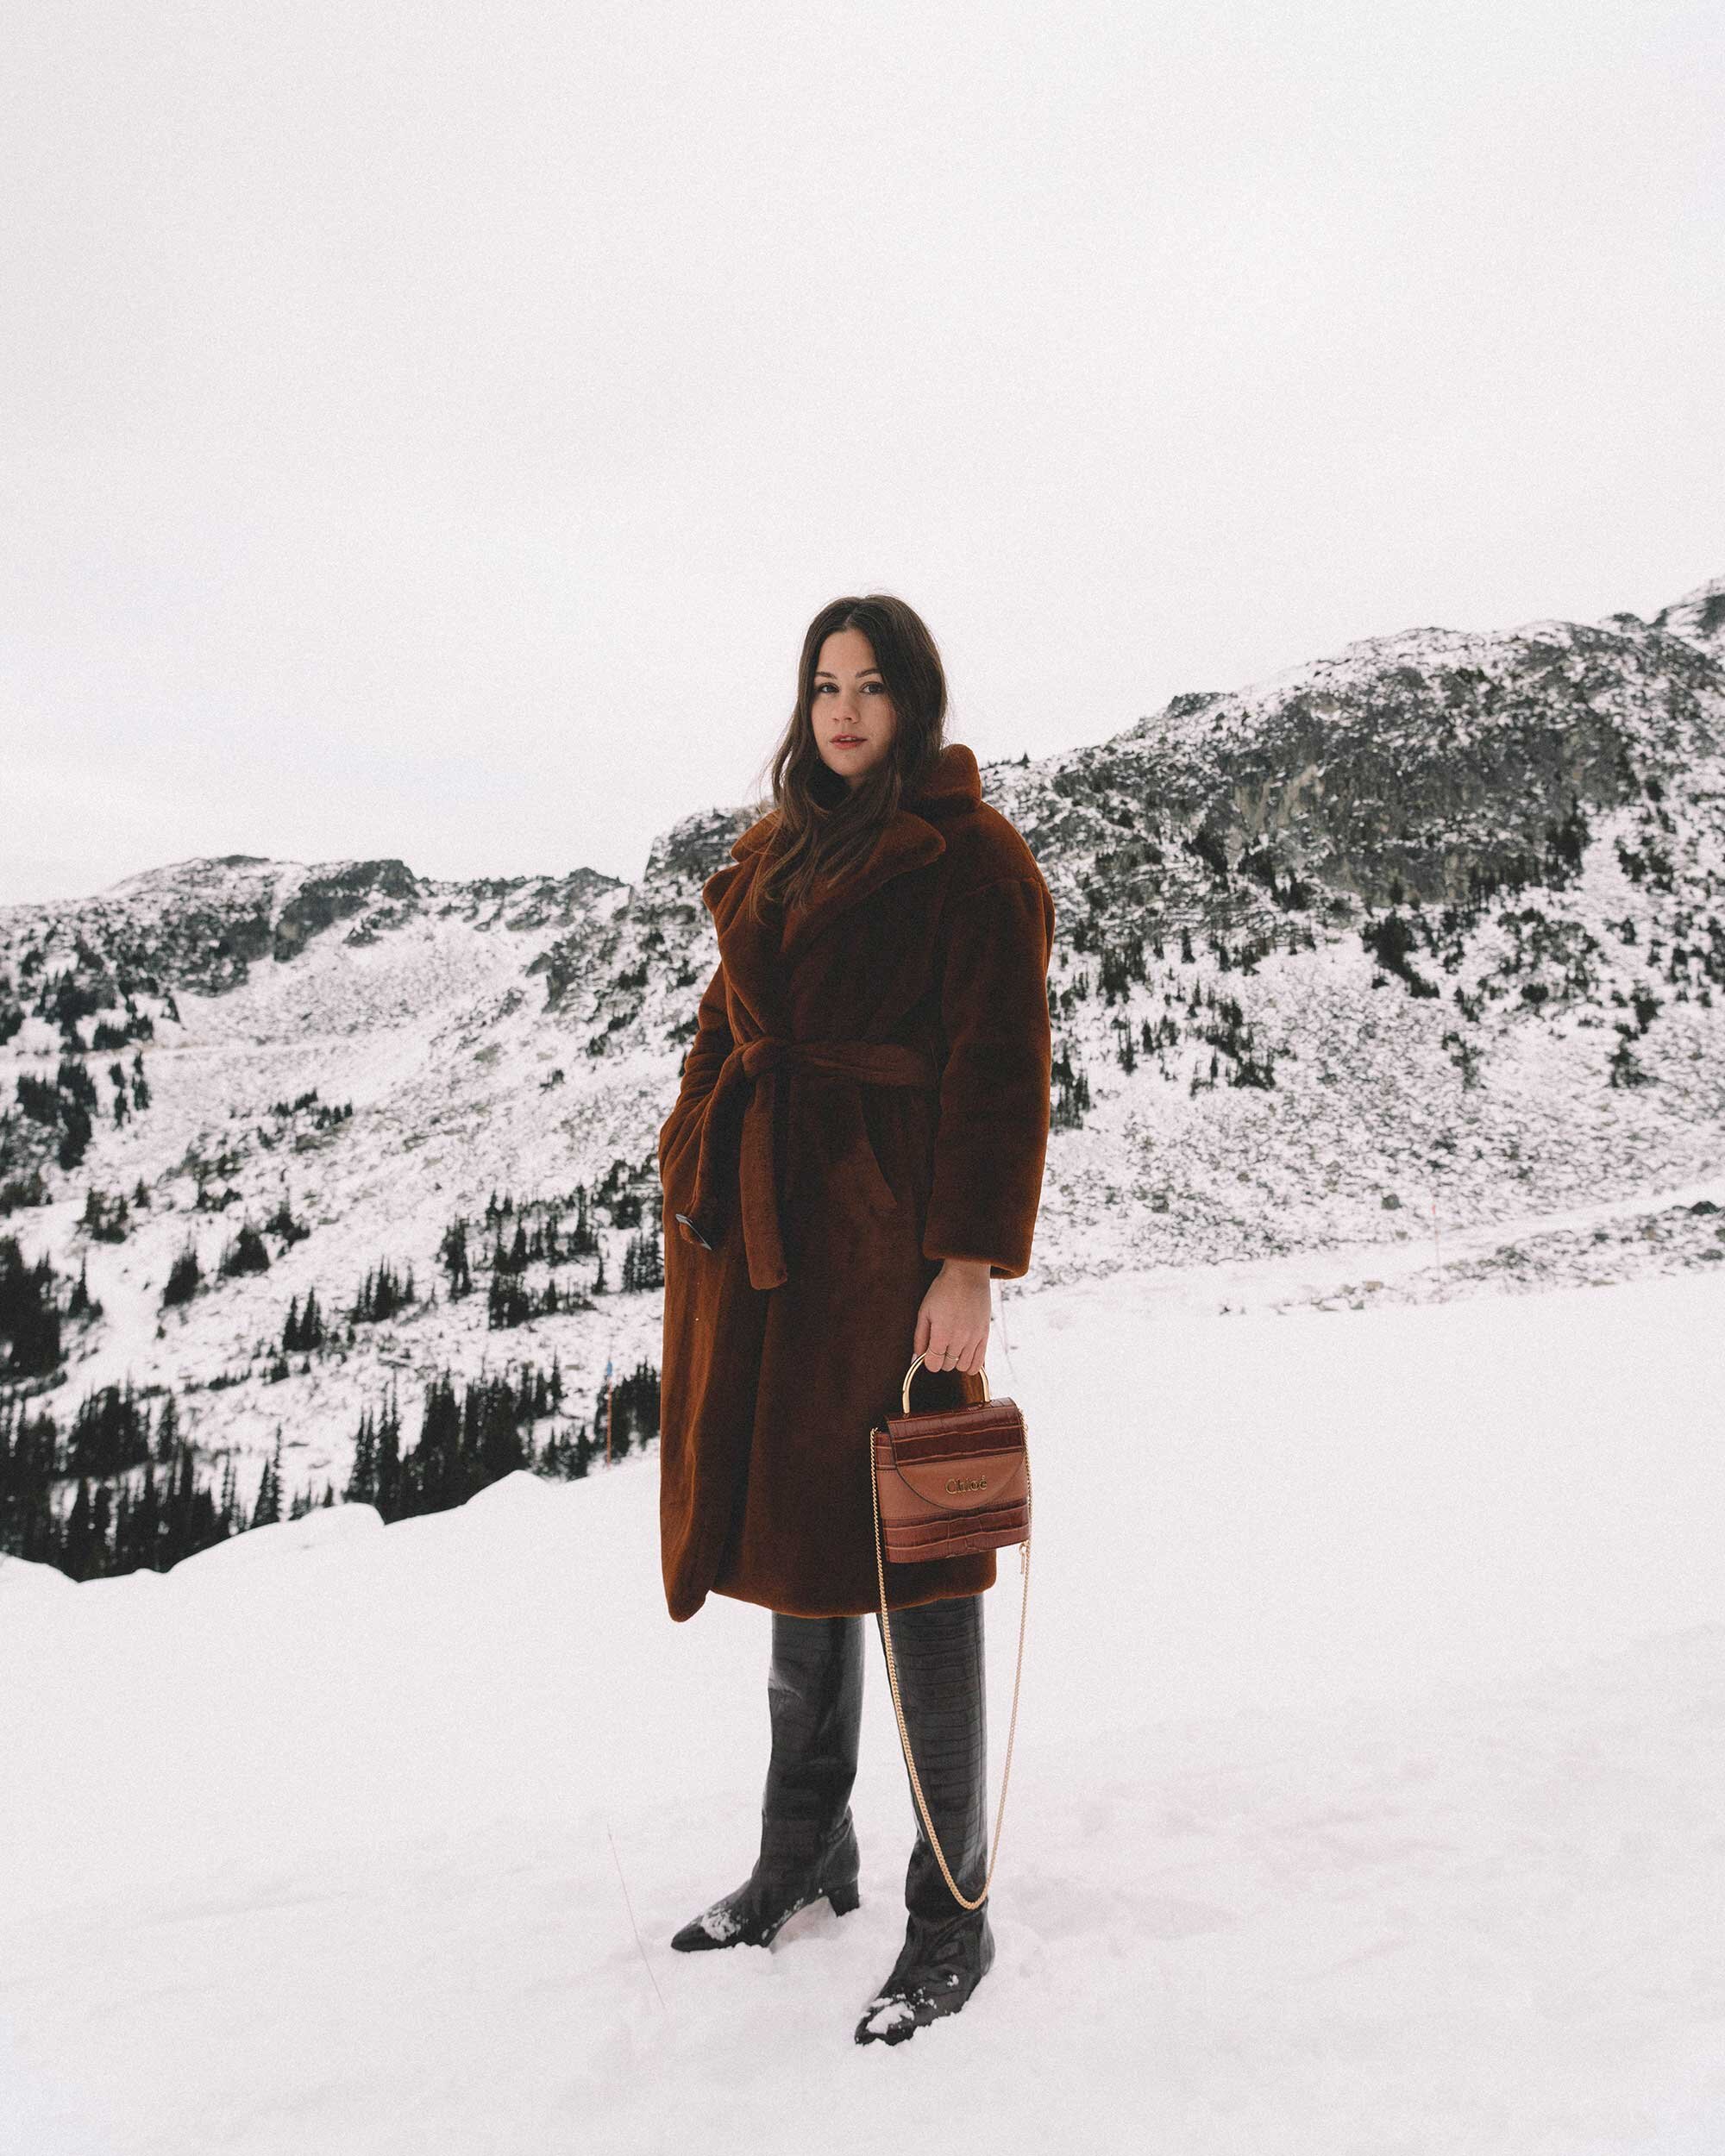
(821, 673)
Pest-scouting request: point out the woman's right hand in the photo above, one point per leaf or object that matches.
(952, 1323)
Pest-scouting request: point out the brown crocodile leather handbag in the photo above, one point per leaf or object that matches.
(948, 1484)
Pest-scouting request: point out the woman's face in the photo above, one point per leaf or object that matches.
(850, 711)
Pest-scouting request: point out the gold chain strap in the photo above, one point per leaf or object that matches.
(897, 1706)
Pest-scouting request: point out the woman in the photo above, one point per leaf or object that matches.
(856, 1150)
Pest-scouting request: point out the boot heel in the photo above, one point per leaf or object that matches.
(844, 1898)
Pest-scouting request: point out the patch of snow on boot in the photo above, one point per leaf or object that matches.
(892, 2014)
(720, 1922)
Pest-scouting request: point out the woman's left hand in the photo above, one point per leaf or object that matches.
(952, 1324)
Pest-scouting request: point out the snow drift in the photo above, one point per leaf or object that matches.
(1366, 1795)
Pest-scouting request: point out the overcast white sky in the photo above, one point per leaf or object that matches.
(427, 428)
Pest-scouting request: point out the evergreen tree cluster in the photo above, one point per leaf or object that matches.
(302, 1329)
(545, 1246)
(29, 1313)
(17, 1192)
(106, 1219)
(123, 1490)
(86, 989)
(510, 1302)
(246, 1253)
(267, 1506)
(127, 1099)
(619, 1192)
(79, 992)
(66, 1105)
(1119, 966)
(138, 1025)
(283, 1222)
(110, 1432)
(1390, 938)
(643, 1263)
(1071, 1098)
(185, 1276)
(119, 1493)
(325, 1113)
(470, 1437)
(382, 1293)
(547, 1243)
(81, 1303)
(452, 1256)
(530, 1232)
(631, 1415)
(284, 1108)
(1296, 895)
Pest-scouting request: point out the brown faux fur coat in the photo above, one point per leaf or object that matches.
(867, 1093)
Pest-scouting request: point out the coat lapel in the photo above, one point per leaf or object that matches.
(745, 946)
(755, 956)
(909, 841)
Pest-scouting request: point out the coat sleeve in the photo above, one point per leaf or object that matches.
(679, 1133)
(992, 1134)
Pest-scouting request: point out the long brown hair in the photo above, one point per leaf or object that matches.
(826, 827)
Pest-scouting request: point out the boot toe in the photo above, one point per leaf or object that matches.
(938, 1969)
(893, 2017)
(722, 1925)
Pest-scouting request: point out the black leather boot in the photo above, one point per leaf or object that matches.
(948, 1949)
(808, 1840)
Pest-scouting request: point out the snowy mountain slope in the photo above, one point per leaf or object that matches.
(1366, 1794)
(1698, 617)
(414, 1030)
(1429, 934)
(1554, 795)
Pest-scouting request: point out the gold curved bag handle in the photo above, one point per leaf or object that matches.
(980, 1371)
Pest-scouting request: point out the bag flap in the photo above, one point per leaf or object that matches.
(958, 1459)
(980, 1482)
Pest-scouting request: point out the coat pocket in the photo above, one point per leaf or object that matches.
(679, 1137)
(854, 1163)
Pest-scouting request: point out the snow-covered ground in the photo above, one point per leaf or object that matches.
(1367, 1802)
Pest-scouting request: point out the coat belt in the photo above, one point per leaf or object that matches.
(737, 1143)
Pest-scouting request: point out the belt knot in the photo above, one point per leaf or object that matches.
(739, 1144)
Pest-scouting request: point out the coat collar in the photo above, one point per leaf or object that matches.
(911, 838)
